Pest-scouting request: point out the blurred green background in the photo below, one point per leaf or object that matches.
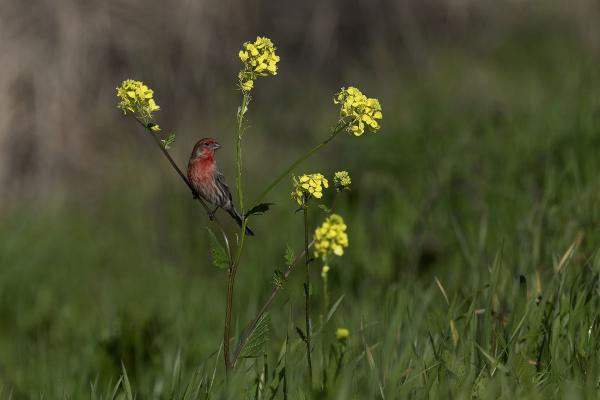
(486, 169)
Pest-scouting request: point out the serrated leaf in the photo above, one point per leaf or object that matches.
(290, 255)
(168, 142)
(259, 209)
(258, 338)
(278, 279)
(325, 208)
(217, 252)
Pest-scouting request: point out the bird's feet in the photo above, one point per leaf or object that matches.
(211, 214)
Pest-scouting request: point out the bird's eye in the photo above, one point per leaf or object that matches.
(205, 144)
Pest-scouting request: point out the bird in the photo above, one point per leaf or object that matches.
(208, 181)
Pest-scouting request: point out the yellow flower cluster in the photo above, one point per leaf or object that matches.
(331, 237)
(342, 334)
(259, 59)
(341, 180)
(358, 110)
(137, 98)
(307, 186)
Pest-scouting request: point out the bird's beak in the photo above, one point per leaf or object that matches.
(216, 146)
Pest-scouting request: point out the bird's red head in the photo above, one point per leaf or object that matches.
(205, 148)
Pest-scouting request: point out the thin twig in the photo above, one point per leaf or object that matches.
(183, 177)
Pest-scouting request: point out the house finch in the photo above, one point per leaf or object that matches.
(209, 182)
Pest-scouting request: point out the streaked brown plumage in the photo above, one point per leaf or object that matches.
(208, 181)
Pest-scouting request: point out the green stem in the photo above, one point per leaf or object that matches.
(227, 327)
(323, 331)
(234, 265)
(338, 367)
(307, 296)
(238, 181)
(247, 332)
(338, 128)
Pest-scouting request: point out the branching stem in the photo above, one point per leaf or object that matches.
(334, 132)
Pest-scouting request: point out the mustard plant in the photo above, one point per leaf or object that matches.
(357, 114)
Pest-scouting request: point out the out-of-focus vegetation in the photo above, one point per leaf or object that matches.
(484, 178)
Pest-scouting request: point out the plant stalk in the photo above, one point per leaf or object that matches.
(324, 360)
(338, 128)
(228, 312)
(234, 265)
(252, 325)
(307, 295)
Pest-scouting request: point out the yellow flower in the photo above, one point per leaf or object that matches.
(341, 180)
(307, 186)
(137, 98)
(358, 111)
(331, 237)
(247, 86)
(342, 334)
(324, 271)
(259, 59)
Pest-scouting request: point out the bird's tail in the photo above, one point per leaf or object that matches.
(238, 218)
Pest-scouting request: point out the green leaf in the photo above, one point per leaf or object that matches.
(495, 363)
(278, 279)
(259, 209)
(258, 338)
(290, 256)
(325, 208)
(126, 384)
(334, 308)
(116, 388)
(168, 142)
(217, 252)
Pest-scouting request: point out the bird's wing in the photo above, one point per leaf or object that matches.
(220, 178)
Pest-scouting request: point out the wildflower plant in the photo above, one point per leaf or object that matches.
(357, 113)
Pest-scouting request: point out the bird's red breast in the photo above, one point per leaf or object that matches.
(201, 173)
(201, 169)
